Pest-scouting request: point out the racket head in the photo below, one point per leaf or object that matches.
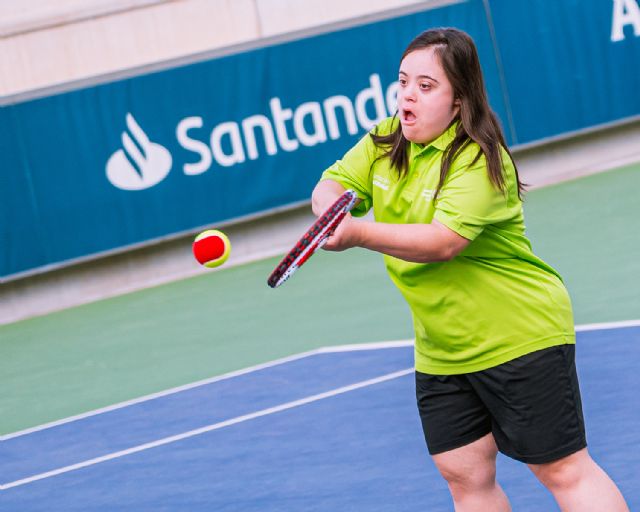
(313, 239)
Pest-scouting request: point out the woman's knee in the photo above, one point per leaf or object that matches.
(471, 467)
(464, 477)
(564, 473)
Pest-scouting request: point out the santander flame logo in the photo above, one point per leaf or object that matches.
(141, 164)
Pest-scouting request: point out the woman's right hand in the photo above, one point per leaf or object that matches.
(324, 195)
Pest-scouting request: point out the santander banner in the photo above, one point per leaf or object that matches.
(141, 164)
(133, 161)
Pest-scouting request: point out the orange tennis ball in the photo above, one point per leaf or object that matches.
(211, 248)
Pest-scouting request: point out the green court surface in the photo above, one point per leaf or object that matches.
(117, 349)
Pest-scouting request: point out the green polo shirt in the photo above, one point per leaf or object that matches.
(496, 300)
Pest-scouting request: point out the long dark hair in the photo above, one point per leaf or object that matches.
(477, 122)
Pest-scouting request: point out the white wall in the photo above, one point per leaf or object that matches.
(51, 42)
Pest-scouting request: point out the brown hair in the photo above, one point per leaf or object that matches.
(477, 122)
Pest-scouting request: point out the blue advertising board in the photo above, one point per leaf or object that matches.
(139, 159)
(568, 64)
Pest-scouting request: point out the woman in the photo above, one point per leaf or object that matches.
(494, 348)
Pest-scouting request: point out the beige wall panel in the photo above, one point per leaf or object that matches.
(16, 16)
(280, 16)
(47, 43)
(97, 46)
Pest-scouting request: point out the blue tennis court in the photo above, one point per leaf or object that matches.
(327, 430)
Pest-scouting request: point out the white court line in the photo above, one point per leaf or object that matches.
(209, 428)
(322, 350)
(365, 346)
(607, 325)
(204, 382)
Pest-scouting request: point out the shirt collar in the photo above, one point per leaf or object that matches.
(440, 143)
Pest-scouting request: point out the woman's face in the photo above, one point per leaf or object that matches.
(426, 104)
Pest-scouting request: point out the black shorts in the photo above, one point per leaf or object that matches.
(531, 405)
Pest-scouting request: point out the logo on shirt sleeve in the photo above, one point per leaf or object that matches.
(381, 182)
(428, 194)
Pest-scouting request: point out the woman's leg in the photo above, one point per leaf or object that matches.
(579, 484)
(470, 472)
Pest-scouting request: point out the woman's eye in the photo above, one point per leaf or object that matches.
(402, 81)
(425, 86)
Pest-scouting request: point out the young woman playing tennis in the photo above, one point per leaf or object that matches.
(494, 335)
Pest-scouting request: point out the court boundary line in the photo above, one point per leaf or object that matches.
(209, 428)
(210, 380)
(243, 371)
(607, 325)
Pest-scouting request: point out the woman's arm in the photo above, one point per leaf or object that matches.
(325, 194)
(420, 243)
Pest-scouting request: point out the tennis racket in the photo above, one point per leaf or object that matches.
(315, 237)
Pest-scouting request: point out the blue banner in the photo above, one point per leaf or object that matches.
(139, 159)
(136, 160)
(568, 64)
